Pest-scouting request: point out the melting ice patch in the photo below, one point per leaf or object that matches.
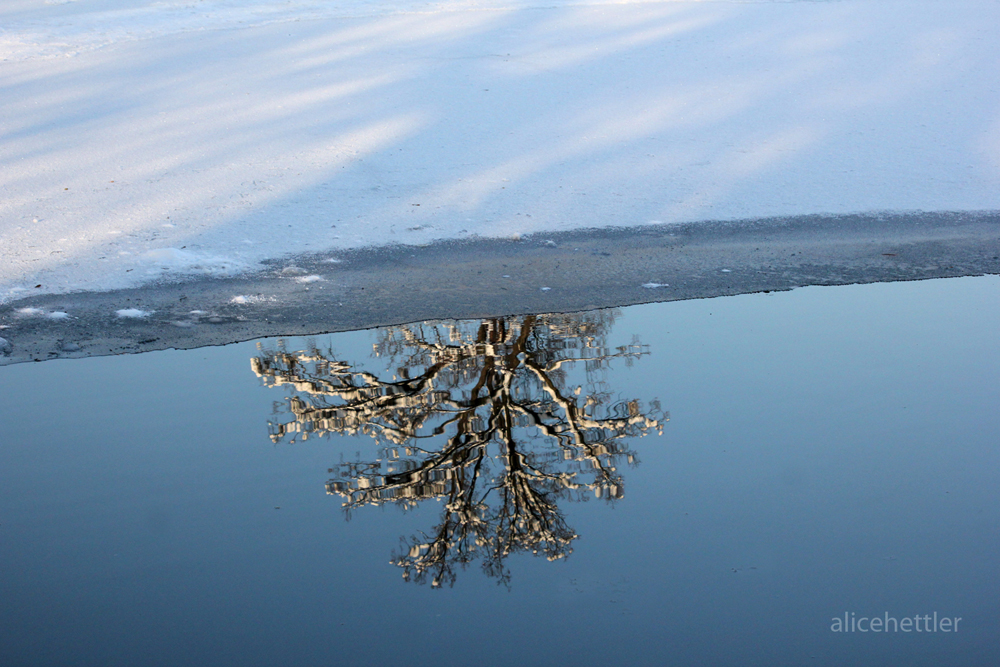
(654, 285)
(242, 300)
(178, 261)
(133, 313)
(38, 312)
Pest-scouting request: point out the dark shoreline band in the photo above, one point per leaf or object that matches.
(560, 272)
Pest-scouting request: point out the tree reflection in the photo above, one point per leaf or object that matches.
(479, 415)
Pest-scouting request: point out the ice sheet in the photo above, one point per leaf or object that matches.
(144, 140)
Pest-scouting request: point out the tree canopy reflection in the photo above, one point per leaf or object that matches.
(480, 415)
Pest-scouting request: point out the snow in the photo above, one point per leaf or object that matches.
(151, 139)
(177, 261)
(39, 312)
(241, 300)
(132, 313)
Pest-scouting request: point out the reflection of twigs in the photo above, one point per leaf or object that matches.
(495, 395)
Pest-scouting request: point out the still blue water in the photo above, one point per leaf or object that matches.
(702, 482)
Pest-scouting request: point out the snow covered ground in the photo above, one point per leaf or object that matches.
(143, 139)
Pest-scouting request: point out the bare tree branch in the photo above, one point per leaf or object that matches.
(514, 439)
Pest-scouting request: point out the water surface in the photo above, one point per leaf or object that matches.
(699, 482)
